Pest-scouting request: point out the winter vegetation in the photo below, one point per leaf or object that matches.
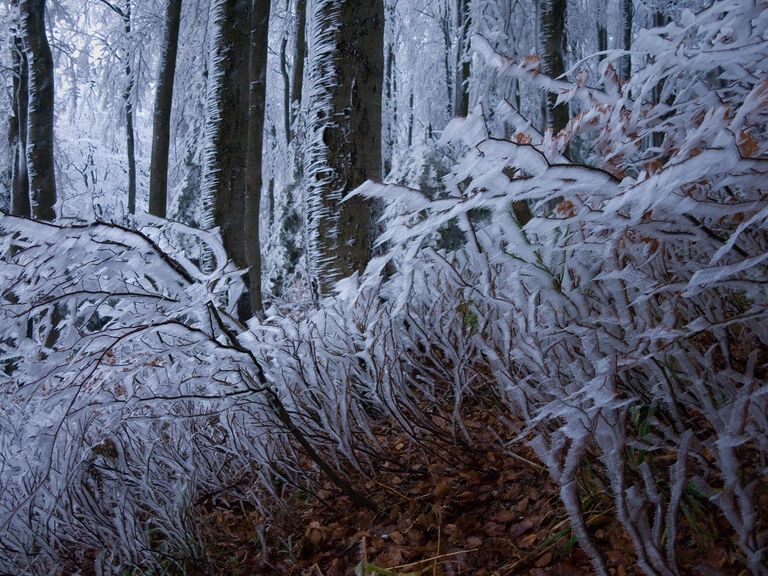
(384, 287)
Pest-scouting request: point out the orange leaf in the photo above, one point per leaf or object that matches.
(521, 138)
(747, 144)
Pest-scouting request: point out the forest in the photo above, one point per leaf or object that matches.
(384, 287)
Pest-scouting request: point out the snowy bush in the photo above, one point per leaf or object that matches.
(127, 397)
(621, 304)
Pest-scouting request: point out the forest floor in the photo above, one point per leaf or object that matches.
(489, 509)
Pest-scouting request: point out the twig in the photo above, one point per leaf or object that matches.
(439, 538)
(409, 565)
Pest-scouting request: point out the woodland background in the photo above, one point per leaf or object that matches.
(394, 286)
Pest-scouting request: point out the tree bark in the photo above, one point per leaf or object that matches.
(657, 137)
(130, 133)
(40, 119)
(346, 145)
(410, 119)
(299, 57)
(463, 64)
(552, 22)
(257, 106)
(391, 99)
(627, 14)
(161, 128)
(449, 74)
(17, 129)
(602, 39)
(226, 134)
(286, 89)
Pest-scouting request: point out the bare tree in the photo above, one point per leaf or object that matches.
(552, 31)
(627, 14)
(226, 134)
(161, 130)
(130, 133)
(299, 57)
(40, 118)
(257, 106)
(345, 141)
(17, 126)
(463, 63)
(125, 13)
(286, 88)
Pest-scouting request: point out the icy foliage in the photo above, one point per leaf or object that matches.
(618, 308)
(131, 397)
(621, 305)
(86, 405)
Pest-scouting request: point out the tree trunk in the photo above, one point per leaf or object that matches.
(627, 13)
(552, 23)
(128, 99)
(17, 130)
(286, 89)
(40, 119)
(391, 99)
(257, 106)
(463, 64)
(226, 133)
(602, 39)
(345, 148)
(161, 128)
(657, 137)
(449, 74)
(299, 57)
(410, 119)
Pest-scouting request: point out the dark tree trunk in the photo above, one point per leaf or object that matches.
(627, 14)
(657, 139)
(226, 146)
(463, 64)
(391, 98)
(553, 31)
(17, 130)
(257, 105)
(299, 58)
(347, 131)
(128, 99)
(286, 89)
(40, 119)
(602, 39)
(449, 74)
(161, 128)
(410, 119)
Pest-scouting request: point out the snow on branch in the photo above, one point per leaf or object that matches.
(621, 303)
(128, 389)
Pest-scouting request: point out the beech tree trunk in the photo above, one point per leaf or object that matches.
(657, 137)
(286, 89)
(40, 119)
(602, 39)
(391, 99)
(450, 76)
(17, 129)
(129, 130)
(299, 57)
(257, 106)
(552, 15)
(463, 64)
(346, 140)
(226, 133)
(627, 14)
(161, 127)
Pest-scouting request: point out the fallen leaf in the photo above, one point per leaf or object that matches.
(442, 489)
(544, 560)
(474, 541)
